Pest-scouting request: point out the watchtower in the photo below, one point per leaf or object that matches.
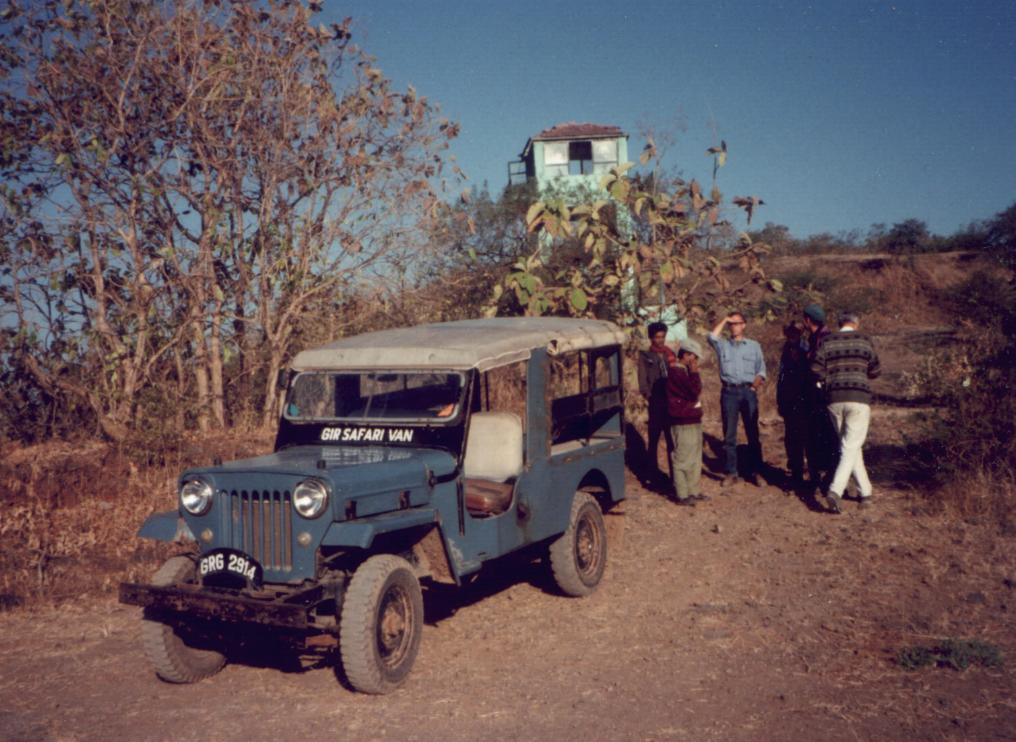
(571, 155)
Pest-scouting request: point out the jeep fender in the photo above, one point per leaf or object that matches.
(168, 526)
(361, 533)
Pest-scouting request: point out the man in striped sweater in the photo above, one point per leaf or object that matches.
(843, 368)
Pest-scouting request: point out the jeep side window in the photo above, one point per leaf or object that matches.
(604, 372)
(503, 389)
(567, 398)
(585, 395)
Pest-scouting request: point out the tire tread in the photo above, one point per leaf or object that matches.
(173, 660)
(357, 628)
(562, 552)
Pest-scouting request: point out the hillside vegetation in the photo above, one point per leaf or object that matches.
(73, 507)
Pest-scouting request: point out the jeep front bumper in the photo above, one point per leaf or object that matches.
(314, 608)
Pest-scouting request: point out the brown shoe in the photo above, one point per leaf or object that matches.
(864, 503)
(730, 480)
(833, 502)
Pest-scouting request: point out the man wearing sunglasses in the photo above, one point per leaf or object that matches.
(742, 373)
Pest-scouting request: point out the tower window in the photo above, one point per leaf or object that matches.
(580, 158)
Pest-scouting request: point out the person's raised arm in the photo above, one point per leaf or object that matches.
(716, 333)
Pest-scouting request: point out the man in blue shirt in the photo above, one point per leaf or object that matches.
(742, 372)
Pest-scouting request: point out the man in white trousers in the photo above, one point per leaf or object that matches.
(844, 366)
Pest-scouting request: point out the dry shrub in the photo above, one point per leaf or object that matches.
(66, 508)
(72, 512)
(973, 435)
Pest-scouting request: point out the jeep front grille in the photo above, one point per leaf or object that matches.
(262, 526)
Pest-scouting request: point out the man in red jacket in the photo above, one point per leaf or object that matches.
(684, 385)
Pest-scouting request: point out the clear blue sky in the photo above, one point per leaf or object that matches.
(838, 114)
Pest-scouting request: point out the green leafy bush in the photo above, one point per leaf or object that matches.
(956, 654)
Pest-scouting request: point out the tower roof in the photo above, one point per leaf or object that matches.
(575, 130)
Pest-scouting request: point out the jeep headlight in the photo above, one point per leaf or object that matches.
(310, 498)
(196, 496)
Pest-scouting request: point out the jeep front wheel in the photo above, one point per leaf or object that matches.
(579, 555)
(171, 652)
(381, 624)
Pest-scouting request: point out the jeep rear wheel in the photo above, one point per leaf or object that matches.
(579, 555)
(171, 653)
(381, 624)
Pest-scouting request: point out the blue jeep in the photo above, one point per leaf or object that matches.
(401, 455)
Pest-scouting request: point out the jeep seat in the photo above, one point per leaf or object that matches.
(493, 461)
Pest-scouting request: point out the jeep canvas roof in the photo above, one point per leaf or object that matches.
(477, 343)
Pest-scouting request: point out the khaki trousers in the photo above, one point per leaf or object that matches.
(686, 459)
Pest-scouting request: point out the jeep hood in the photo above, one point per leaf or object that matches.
(351, 470)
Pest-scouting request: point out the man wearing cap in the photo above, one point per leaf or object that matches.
(821, 441)
(742, 372)
(844, 366)
(652, 370)
(815, 322)
(684, 385)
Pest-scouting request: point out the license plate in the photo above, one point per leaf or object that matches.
(231, 562)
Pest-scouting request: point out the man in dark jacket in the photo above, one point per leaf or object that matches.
(653, 365)
(684, 385)
(793, 402)
(844, 366)
(821, 440)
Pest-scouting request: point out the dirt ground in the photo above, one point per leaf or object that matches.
(752, 616)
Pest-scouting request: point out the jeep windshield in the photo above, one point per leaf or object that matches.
(372, 396)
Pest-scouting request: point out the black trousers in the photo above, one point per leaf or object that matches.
(659, 424)
(795, 440)
(822, 446)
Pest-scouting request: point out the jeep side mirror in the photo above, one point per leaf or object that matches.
(282, 380)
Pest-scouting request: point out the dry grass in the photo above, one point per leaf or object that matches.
(894, 295)
(984, 496)
(887, 291)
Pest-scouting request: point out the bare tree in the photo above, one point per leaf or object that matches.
(206, 171)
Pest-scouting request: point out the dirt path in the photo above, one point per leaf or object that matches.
(751, 616)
